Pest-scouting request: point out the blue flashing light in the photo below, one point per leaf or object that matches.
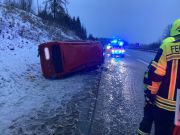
(114, 41)
(121, 43)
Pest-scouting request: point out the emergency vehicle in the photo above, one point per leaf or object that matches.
(116, 48)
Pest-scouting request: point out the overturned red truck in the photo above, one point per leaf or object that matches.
(62, 58)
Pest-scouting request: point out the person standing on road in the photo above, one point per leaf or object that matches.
(147, 121)
(162, 81)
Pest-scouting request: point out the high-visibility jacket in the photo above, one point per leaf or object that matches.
(163, 78)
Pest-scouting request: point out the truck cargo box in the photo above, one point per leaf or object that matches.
(61, 58)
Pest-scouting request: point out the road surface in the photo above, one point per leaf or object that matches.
(120, 101)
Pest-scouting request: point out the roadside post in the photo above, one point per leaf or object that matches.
(177, 113)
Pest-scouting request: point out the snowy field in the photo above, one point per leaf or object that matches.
(31, 104)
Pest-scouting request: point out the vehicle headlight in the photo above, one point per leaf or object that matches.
(108, 47)
(123, 51)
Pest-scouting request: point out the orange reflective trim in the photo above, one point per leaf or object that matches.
(173, 79)
(165, 101)
(158, 66)
(159, 69)
(166, 107)
(173, 57)
(173, 54)
(154, 87)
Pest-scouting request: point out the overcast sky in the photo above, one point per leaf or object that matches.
(135, 20)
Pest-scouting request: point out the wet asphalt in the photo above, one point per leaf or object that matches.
(120, 100)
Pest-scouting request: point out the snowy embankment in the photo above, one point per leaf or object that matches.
(25, 95)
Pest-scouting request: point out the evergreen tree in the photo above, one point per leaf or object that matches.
(56, 6)
(57, 14)
(90, 37)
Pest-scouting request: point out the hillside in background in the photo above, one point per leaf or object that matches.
(19, 28)
(24, 92)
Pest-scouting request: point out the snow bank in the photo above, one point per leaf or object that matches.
(22, 87)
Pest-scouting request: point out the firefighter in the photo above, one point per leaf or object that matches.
(163, 80)
(147, 121)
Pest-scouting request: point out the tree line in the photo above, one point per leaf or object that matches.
(25, 5)
(54, 11)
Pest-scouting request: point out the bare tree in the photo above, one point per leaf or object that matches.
(25, 5)
(38, 6)
(10, 3)
(29, 5)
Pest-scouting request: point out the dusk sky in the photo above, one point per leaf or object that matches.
(134, 20)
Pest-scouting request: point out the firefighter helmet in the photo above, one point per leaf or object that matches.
(175, 30)
(168, 40)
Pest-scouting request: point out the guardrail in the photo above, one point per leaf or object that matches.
(142, 49)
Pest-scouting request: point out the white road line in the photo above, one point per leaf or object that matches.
(142, 61)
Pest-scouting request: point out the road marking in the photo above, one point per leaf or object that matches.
(142, 61)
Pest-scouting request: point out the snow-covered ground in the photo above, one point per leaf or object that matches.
(24, 92)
